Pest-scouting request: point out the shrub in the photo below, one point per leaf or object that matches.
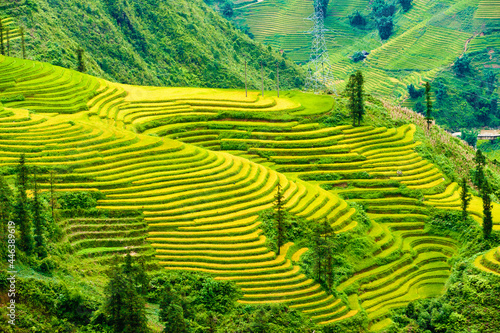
(385, 27)
(358, 56)
(414, 92)
(356, 19)
(469, 136)
(462, 66)
(79, 200)
(382, 9)
(405, 4)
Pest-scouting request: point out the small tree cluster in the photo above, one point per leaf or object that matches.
(356, 19)
(462, 66)
(385, 27)
(125, 307)
(358, 56)
(323, 251)
(383, 13)
(414, 92)
(354, 92)
(469, 136)
(405, 4)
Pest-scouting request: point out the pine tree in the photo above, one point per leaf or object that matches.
(279, 213)
(323, 251)
(352, 95)
(53, 198)
(38, 220)
(354, 91)
(5, 213)
(2, 48)
(26, 242)
(124, 306)
(81, 62)
(172, 313)
(360, 107)
(428, 117)
(328, 235)
(465, 198)
(7, 35)
(479, 178)
(23, 46)
(487, 216)
(5, 201)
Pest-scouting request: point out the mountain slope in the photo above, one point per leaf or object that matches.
(160, 43)
(426, 39)
(202, 205)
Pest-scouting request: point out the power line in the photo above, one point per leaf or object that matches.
(319, 67)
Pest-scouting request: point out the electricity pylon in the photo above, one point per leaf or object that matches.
(319, 74)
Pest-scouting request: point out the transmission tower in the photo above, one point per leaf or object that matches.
(319, 73)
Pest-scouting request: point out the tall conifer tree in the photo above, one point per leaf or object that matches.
(26, 242)
(279, 213)
(428, 114)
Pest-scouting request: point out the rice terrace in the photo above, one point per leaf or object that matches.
(249, 166)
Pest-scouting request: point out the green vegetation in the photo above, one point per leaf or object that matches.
(159, 43)
(184, 180)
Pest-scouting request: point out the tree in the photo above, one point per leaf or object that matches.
(487, 217)
(53, 197)
(23, 47)
(441, 91)
(279, 215)
(5, 213)
(465, 198)
(419, 107)
(462, 66)
(358, 56)
(385, 26)
(81, 63)
(5, 201)
(324, 6)
(322, 247)
(405, 4)
(124, 306)
(351, 94)
(2, 49)
(7, 35)
(227, 9)
(479, 178)
(414, 92)
(382, 9)
(428, 117)
(26, 242)
(354, 91)
(38, 220)
(490, 79)
(469, 136)
(360, 106)
(356, 19)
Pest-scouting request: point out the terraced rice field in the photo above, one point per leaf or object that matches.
(488, 9)
(412, 54)
(489, 262)
(102, 238)
(200, 175)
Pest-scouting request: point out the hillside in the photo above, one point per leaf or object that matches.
(160, 43)
(426, 39)
(202, 165)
